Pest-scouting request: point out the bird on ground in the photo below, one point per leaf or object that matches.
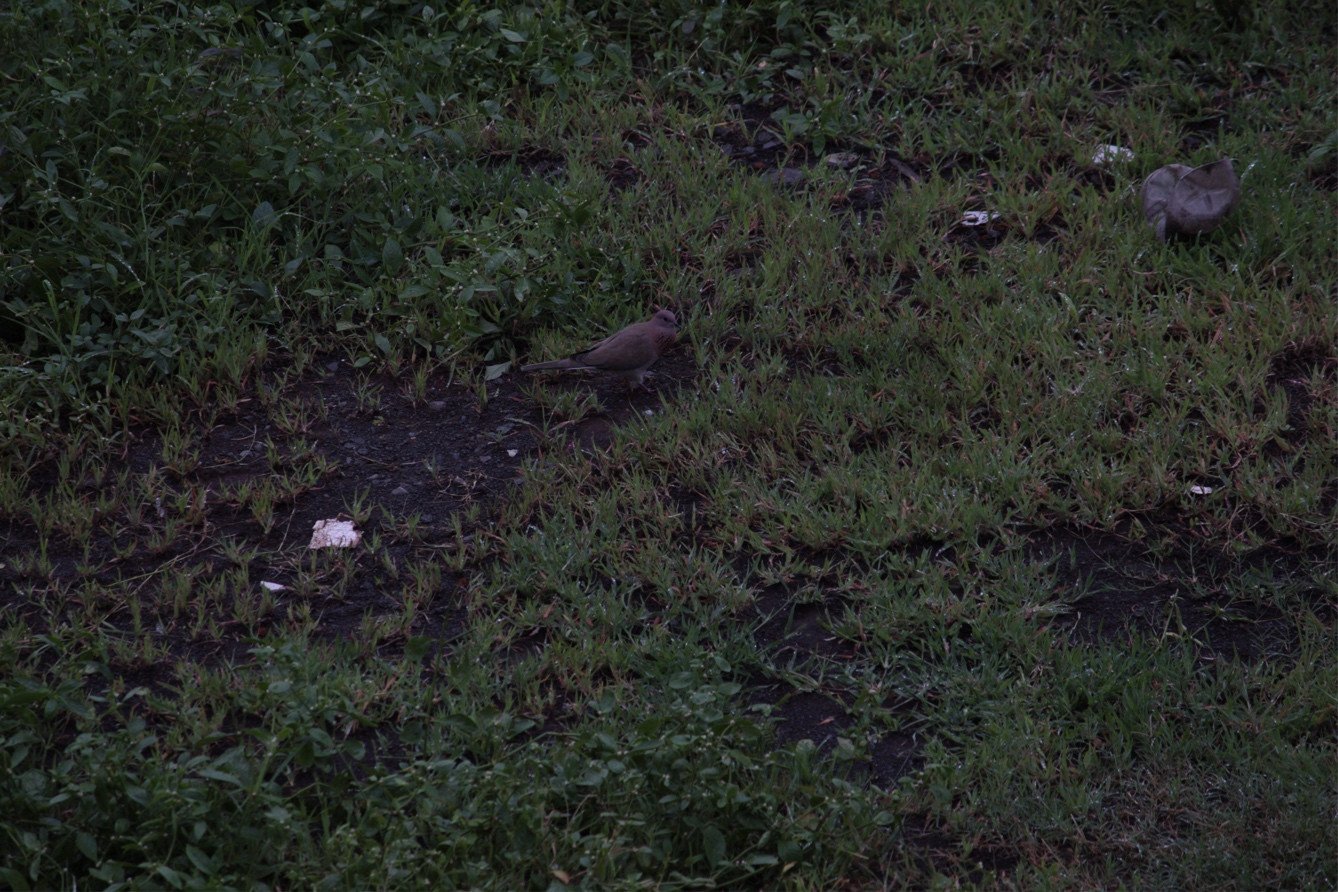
(628, 353)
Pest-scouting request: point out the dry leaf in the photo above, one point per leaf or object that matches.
(1190, 200)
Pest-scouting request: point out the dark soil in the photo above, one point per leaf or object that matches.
(442, 460)
(894, 756)
(754, 141)
(937, 850)
(790, 634)
(1220, 605)
(1291, 370)
(1325, 176)
(876, 183)
(822, 717)
(813, 716)
(623, 174)
(1204, 131)
(532, 161)
(796, 632)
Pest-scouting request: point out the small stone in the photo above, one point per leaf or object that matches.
(785, 176)
(842, 160)
(427, 518)
(332, 366)
(244, 455)
(399, 491)
(437, 405)
(512, 453)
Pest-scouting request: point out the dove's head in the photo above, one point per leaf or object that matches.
(665, 318)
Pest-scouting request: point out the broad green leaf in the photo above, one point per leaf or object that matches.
(392, 255)
(713, 843)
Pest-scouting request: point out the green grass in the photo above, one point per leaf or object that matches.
(943, 481)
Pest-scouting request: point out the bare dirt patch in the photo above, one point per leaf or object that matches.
(533, 161)
(795, 634)
(1292, 370)
(754, 142)
(623, 174)
(420, 476)
(937, 849)
(1219, 605)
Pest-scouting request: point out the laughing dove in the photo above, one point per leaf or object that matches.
(628, 352)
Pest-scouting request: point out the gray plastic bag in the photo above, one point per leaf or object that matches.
(1190, 200)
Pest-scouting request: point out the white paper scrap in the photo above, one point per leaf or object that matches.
(334, 534)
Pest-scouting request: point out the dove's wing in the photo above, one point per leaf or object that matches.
(632, 348)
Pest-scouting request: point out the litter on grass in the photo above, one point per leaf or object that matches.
(1190, 200)
(1104, 156)
(334, 534)
(979, 218)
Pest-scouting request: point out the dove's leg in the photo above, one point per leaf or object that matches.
(635, 379)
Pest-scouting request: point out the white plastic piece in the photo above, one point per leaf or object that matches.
(1104, 156)
(979, 218)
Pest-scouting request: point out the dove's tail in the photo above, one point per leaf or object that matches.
(555, 364)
